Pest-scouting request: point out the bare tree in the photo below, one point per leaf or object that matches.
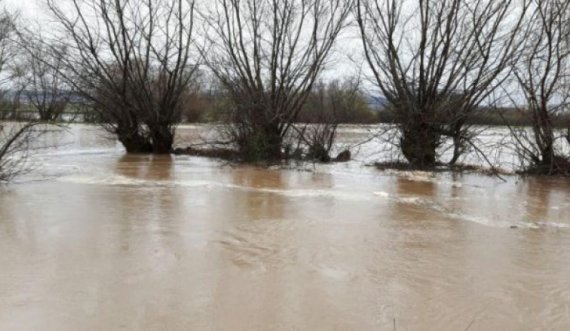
(543, 77)
(132, 59)
(42, 84)
(15, 143)
(435, 61)
(15, 138)
(268, 54)
(38, 80)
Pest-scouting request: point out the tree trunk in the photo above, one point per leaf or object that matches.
(135, 143)
(457, 150)
(419, 143)
(263, 142)
(459, 136)
(48, 116)
(544, 136)
(274, 142)
(162, 139)
(548, 161)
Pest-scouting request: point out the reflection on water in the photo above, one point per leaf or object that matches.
(152, 167)
(108, 241)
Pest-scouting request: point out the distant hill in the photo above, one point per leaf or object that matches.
(27, 95)
(377, 102)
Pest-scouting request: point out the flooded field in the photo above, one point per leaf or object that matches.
(97, 240)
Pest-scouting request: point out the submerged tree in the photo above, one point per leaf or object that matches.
(435, 61)
(132, 60)
(543, 77)
(268, 55)
(328, 105)
(16, 140)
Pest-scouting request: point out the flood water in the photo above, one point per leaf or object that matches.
(94, 239)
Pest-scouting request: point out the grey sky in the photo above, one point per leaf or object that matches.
(27, 7)
(34, 11)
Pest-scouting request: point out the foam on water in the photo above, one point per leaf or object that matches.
(83, 151)
(479, 219)
(120, 180)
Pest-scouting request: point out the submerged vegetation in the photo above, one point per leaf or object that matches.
(435, 70)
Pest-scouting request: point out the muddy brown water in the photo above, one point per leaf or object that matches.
(97, 240)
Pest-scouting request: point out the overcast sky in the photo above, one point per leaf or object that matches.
(27, 7)
(30, 10)
(341, 66)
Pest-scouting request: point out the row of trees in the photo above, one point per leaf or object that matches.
(435, 61)
(136, 61)
(339, 100)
